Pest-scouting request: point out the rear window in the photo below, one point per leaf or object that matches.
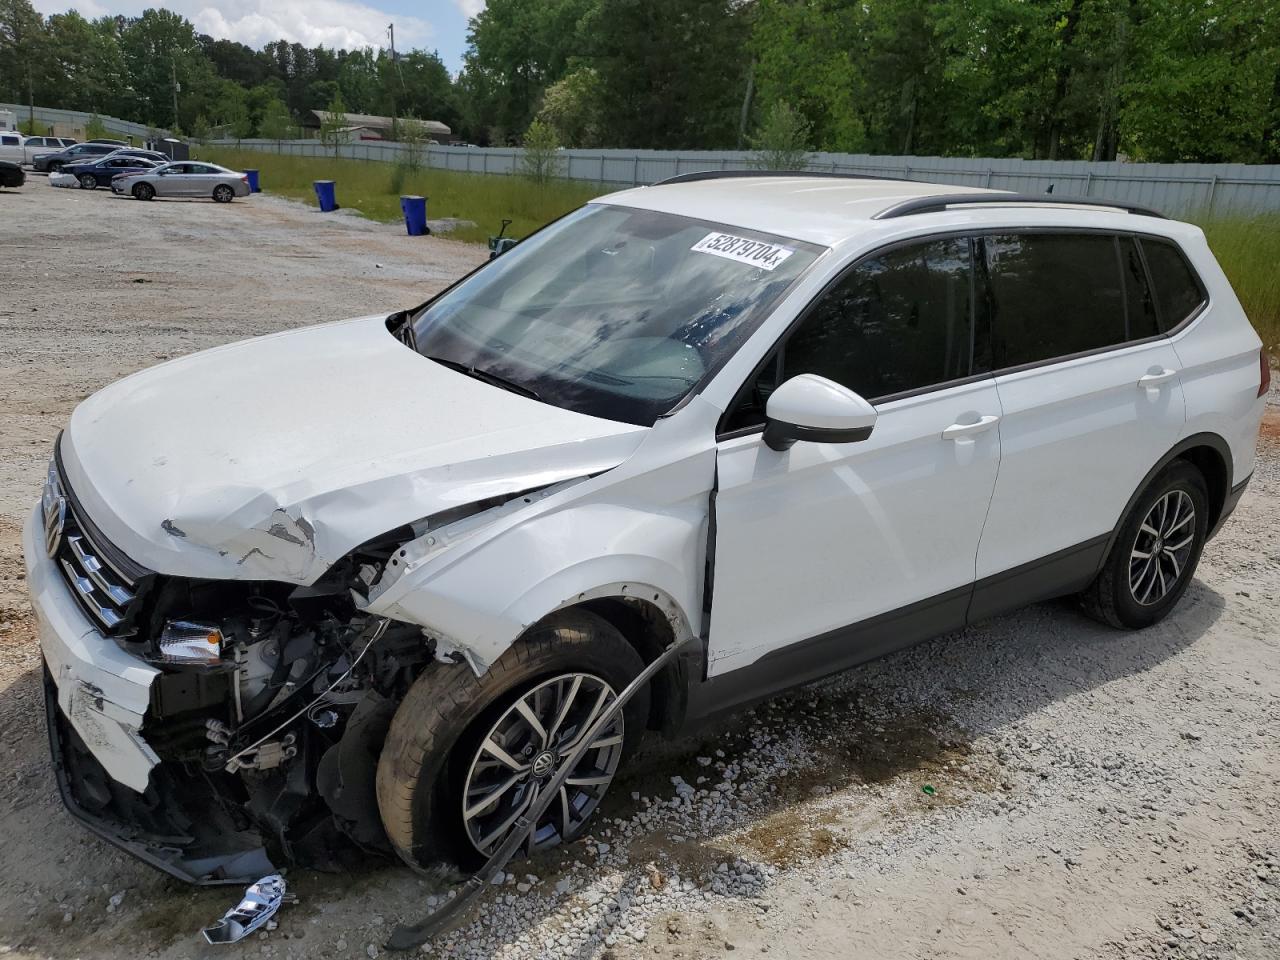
(1053, 295)
(1177, 290)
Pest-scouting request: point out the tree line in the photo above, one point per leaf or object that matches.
(1154, 80)
(156, 69)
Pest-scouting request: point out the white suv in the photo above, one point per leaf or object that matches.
(371, 580)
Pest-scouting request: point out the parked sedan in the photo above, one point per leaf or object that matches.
(186, 179)
(11, 174)
(53, 162)
(99, 173)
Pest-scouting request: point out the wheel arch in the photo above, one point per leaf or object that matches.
(1207, 452)
(649, 620)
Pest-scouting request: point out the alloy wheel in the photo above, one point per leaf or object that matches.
(1162, 549)
(87, 181)
(524, 749)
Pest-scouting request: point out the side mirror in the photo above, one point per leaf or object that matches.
(810, 407)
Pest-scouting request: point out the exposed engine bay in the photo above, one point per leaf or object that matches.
(268, 717)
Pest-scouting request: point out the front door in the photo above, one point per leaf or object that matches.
(174, 181)
(830, 554)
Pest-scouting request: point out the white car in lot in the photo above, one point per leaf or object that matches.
(191, 180)
(19, 149)
(365, 584)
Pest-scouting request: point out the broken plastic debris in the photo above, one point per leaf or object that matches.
(928, 788)
(260, 903)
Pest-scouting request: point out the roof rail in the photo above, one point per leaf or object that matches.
(941, 202)
(730, 174)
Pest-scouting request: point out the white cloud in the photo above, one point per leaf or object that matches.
(337, 24)
(89, 9)
(469, 8)
(333, 23)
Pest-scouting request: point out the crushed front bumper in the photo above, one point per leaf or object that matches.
(96, 699)
(102, 690)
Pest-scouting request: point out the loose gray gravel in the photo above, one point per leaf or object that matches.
(1036, 786)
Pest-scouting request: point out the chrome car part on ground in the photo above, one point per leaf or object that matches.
(261, 902)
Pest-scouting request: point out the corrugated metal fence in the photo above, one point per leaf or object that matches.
(71, 123)
(1176, 188)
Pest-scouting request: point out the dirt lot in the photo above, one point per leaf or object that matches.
(1092, 793)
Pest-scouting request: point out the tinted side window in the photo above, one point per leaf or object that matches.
(1052, 295)
(1177, 290)
(897, 321)
(9, 141)
(1140, 305)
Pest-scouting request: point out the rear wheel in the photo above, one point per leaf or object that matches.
(466, 756)
(88, 182)
(223, 194)
(144, 191)
(1156, 552)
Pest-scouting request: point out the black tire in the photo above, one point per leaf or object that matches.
(88, 182)
(438, 728)
(144, 191)
(1113, 598)
(223, 194)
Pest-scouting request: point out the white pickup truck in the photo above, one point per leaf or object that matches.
(14, 146)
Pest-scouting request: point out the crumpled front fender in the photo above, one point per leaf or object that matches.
(638, 530)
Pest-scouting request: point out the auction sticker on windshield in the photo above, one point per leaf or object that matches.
(757, 253)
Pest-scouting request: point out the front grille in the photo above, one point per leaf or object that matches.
(108, 586)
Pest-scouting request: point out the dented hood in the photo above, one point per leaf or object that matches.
(272, 458)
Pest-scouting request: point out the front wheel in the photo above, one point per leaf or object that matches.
(466, 756)
(88, 182)
(144, 191)
(223, 194)
(1156, 552)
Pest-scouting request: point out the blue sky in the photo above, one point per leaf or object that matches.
(434, 25)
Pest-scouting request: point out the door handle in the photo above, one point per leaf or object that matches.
(1156, 379)
(959, 431)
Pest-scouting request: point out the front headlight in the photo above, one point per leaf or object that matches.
(183, 641)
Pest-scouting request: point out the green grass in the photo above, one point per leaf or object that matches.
(1249, 251)
(1248, 248)
(370, 187)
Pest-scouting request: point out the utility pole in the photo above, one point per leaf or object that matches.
(173, 62)
(394, 133)
(31, 100)
(746, 104)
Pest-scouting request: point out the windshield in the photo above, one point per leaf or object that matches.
(613, 312)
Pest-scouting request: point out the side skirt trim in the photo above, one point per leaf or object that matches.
(1064, 572)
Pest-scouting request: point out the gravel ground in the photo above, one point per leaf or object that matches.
(1089, 793)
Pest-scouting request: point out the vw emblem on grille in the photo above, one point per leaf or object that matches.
(55, 518)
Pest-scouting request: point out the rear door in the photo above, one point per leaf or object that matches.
(1091, 400)
(11, 147)
(205, 179)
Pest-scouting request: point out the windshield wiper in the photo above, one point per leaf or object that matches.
(485, 376)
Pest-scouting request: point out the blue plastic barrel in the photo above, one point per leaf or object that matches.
(326, 195)
(253, 181)
(415, 215)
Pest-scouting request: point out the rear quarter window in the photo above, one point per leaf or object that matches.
(1178, 290)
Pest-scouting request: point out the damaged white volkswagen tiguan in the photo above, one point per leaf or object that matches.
(364, 586)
